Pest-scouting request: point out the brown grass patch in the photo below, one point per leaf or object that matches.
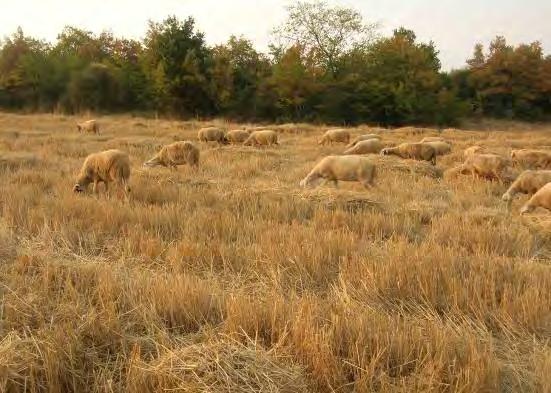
(231, 277)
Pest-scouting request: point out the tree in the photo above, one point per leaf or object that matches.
(394, 81)
(176, 63)
(236, 74)
(294, 81)
(326, 32)
(19, 83)
(510, 81)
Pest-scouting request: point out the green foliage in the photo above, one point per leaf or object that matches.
(176, 64)
(509, 81)
(326, 64)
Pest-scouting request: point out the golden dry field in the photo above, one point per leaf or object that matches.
(231, 278)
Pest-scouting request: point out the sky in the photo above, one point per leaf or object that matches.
(455, 26)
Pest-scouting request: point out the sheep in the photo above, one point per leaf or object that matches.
(433, 139)
(416, 151)
(365, 147)
(344, 168)
(237, 136)
(262, 138)
(473, 150)
(177, 153)
(542, 198)
(528, 182)
(338, 135)
(362, 138)
(532, 159)
(109, 166)
(488, 165)
(441, 148)
(91, 126)
(211, 134)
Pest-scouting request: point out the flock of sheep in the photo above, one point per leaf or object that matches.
(113, 166)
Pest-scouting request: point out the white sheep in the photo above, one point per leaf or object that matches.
(440, 147)
(489, 166)
(237, 136)
(343, 168)
(211, 134)
(262, 138)
(339, 135)
(370, 146)
(528, 182)
(428, 139)
(110, 166)
(360, 138)
(415, 151)
(542, 198)
(532, 159)
(177, 153)
(90, 126)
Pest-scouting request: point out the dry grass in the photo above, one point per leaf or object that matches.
(231, 278)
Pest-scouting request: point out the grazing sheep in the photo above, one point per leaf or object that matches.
(489, 166)
(237, 136)
(177, 153)
(433, 139)
(344, 168)
(90, 126)
(211, 134)
(415, 151)
(532, 159)
(528, 182)
(362, 138)
(441, 148)
(370, 146)
(542, 198)
(338, 135)
(262, 138)
(110, 166)
(473, 150)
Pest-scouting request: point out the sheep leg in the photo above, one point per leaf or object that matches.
(107, 192)
(95, 187)
(367, 184)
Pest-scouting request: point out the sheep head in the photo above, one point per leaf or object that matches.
(152, 163)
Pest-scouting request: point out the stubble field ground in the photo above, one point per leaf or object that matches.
(231, 278)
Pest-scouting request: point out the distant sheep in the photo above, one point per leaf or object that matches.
(433, 139)
(237, 136)
(542, 198)
(528, 182)
(110, 166)
(337, 135)
(489, 166)
(532, 159)
(262, 138)
(473, 150)
(370, 146)
(343, 168)
(90, 126)
(177, 153)
(211, 134)
(441, 147)
(362, 138)
(415, 151)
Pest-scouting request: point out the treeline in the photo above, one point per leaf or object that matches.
(326, 64)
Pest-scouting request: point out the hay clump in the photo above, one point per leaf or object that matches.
(220, 365)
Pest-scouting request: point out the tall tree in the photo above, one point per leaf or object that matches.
(326, 32)
(176, 62)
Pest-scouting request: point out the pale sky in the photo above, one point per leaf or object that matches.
(454, 25)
